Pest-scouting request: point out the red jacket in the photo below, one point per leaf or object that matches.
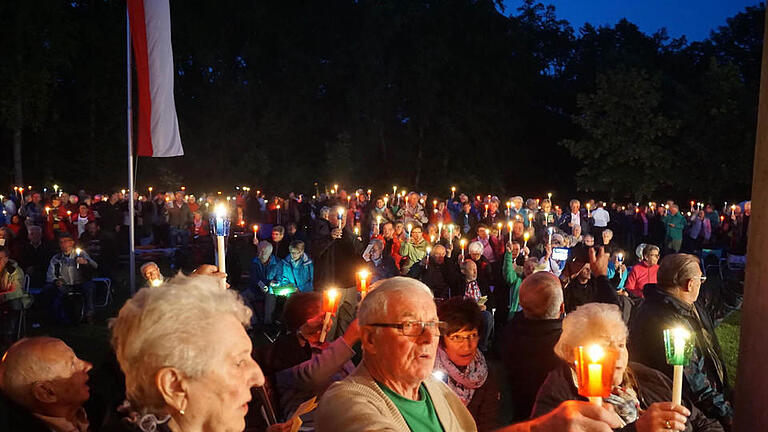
(57, 221)
(640, 275)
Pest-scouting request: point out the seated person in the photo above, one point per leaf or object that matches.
(315, 365)
(266, 272)
(12, 298)
(463, 367)
(472, 291)
(45, 386)
(151, 273)
(298, 269)
(35, 255)
(100, 246)
(393, 388)
(380, 265)
(640, 395)
(70, 271)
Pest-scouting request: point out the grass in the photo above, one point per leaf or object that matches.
(728, 333)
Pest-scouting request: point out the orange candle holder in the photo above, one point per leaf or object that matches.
(594, 368)
(330, 300)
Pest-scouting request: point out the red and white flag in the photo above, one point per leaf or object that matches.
(158, 126)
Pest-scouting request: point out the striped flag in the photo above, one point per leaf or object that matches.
(158, 126)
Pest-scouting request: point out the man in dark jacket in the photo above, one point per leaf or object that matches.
(441, 275)
(179, 219)
(574, 217)
(675, 302)
(529, 340)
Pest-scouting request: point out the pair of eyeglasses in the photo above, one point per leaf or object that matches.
(415, 328)
(455, 338)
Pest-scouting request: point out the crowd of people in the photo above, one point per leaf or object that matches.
(474, 307)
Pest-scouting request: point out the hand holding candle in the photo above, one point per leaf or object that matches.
(678, 346)
(78, 251)
(462, 243)
(526, 236)
(330, 304)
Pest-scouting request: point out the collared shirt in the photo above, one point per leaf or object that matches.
(59, 424)
(575, 219)
(601, 217)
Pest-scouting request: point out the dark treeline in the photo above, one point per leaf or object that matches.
(423, 94)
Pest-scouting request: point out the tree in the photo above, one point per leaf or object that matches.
(625, 147)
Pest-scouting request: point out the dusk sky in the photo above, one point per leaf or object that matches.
(692, 18)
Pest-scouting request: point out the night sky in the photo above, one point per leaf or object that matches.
(692, 18)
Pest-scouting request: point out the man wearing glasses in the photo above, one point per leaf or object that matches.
(675, 302)
(393, 388)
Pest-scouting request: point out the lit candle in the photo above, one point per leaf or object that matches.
(150, 190)
(330, 302)
(526, 236)
(56, 189)
(550, 230)
(692, 203)
(378, 223)
(77, 253)
(589, 212)
(340, 217)
(220, 222)
(47, 209)
(594, 370)
(362, 282)
(410, 227)
(429, 250)
(620, 258)
(453, 192)
(500, 226)
(509, 209)
(450, 231)
(255, 234)
(394, 190)
(277, 207)
(369, 194)
(549, 196)
(486, 210)
(356, 231)
(462, 243)
(530, 219)
(439, 230)
(156, 282)
(510, 224)
(678, 348)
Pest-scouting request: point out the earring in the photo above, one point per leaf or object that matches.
(181, 412)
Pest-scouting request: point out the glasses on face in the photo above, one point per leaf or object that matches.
(457, 338)
(415, 328)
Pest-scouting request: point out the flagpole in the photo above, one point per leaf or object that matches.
(129, 120)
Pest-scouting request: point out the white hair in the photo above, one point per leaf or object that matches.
(161, 327)
(475, 247)
(587, 324)
(147, 265)
(264, 248)
(374, 305)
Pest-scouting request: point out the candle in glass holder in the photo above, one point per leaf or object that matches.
(594, 370)
(678, 347)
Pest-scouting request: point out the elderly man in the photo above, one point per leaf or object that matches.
(68, 271)
(151, 273)
(441, 274)
(574, 217)
(46, 385)
(393, 388)
(380, 265)
(674, 302)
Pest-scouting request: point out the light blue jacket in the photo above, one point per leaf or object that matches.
(299, 273)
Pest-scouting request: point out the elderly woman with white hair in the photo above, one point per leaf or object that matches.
(186, 357)
(640, 395)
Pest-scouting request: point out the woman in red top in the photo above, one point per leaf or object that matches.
(644, 272)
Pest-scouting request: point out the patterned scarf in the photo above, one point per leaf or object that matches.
(463, 383)
(472, 290)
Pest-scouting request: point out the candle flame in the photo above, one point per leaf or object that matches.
(78, 250)
(157, 282)
(220, 210)
(331, 294)
(255, 228)
(363, 274)
(680, 333)
(510, 224)
(526, 236)
(595, 353)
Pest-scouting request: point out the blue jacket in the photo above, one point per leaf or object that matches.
(262, 275)
(299, 274)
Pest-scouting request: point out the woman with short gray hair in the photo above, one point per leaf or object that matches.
(640, 396)
(186, 356)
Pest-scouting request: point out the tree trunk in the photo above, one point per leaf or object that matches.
(18, 125)
(752, 380)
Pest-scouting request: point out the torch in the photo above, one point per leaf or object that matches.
(220, 223)
(678, 347)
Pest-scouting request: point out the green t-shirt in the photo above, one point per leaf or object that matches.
(420, 415)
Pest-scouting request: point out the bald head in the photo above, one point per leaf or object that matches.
(44, 375)
(541, 296)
